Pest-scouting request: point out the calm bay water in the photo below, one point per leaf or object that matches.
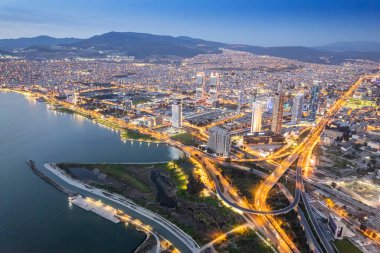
(34, 216)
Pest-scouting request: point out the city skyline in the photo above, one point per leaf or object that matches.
(269, 23)
(230, 138)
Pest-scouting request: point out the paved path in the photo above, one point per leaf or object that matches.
(180, 239)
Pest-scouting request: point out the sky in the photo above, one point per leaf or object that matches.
(253, 22)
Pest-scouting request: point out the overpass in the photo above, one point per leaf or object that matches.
(274, 177)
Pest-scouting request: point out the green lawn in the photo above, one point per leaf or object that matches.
(133, 135)
(137, 101)
(345, 246)
(63, 110)
(185, 138)
(118, 171)
(178, 175)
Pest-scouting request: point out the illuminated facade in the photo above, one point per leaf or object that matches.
(200, 86)
(297, 108)
(214, 87)
(314, 100)
(239, 102)
(257, 112)
(76, 98)
(278, 110)
(219, 141)
(128, 104)
(177, 114)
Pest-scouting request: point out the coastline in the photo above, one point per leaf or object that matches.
(69, 193)
(100, 123)
(73, 111)
(163, 227)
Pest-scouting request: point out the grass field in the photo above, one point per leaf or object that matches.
(178, 175)
(120, 172)
(137, 101)
(185, 138)
(345, 246)
(133, 135)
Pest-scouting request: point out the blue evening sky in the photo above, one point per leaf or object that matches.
(264, 23)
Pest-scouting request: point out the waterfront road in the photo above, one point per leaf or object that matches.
(168, 230)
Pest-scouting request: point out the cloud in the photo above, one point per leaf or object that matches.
(30, 16)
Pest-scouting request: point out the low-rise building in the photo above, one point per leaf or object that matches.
(337, 227)
(374, 145)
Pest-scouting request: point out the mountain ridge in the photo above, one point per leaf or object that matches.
(146, 45)
(360, 46)
(41, 40)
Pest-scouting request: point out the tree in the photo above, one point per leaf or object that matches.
(195, 185)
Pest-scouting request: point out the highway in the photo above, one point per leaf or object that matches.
(306, 146)
(326, 244)
(273, 178)
(264, 222)
(308, 230)
(224, 195)
(304, 164)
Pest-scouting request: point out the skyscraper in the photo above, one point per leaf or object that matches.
(128, 104)
(269, 104)
(239, 102)
(314, 100)
(252, 98)
(200, 86)
(177, 114)
(297, 108)
(278, 110)
(219, 140)
(214, 87)
(76, 98)
(257, 112)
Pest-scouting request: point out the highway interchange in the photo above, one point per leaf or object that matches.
(257, 214)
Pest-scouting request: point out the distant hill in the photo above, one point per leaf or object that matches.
(4, 53)
(142, 45)
(358, 46)
(306, 54)
(290, 52)
(11, 44)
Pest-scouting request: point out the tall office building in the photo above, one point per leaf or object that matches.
(257, 112)
(314, 100)
(76, 98)
(128, 104)
(297, 108)
(252, 98)
(214, 87)
(219, 141)
(239, 102)
(278, 110)
(200, 86)
(269, 104)
(177, 114)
